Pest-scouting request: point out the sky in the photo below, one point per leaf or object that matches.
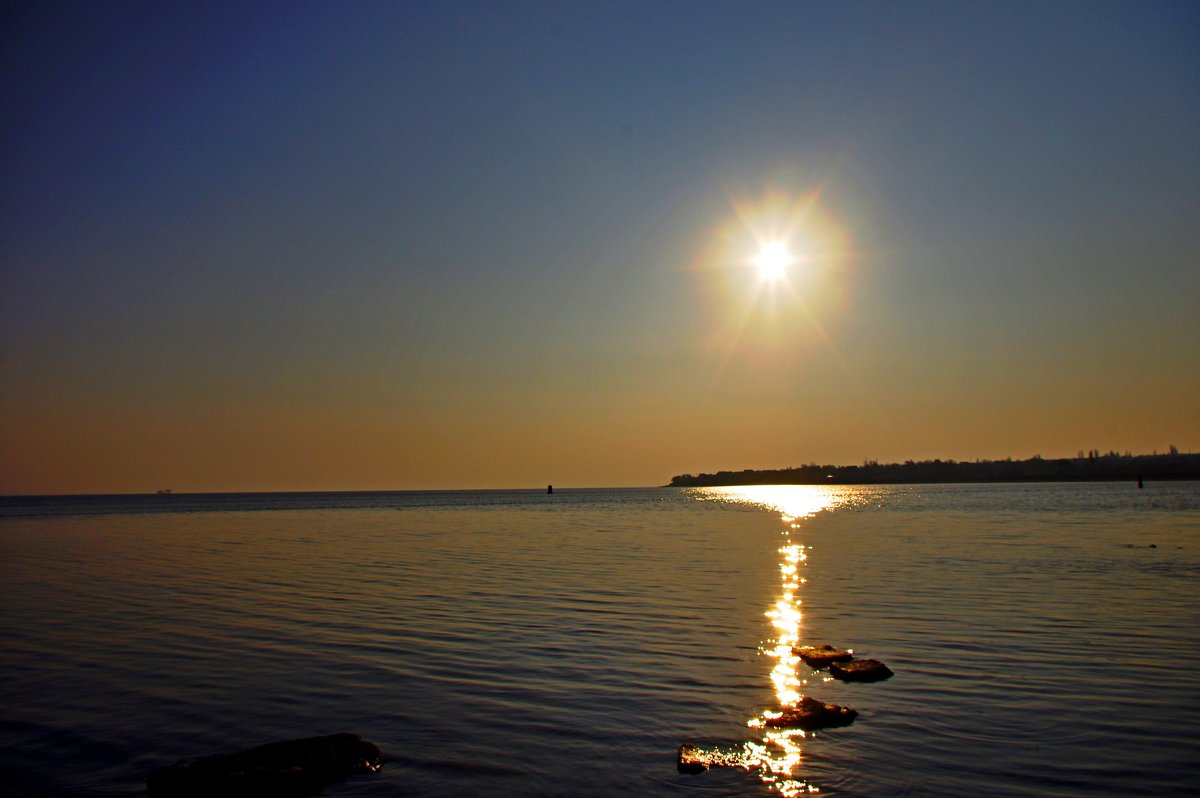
(371, 246)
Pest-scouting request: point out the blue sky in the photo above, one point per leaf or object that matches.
(368, 245)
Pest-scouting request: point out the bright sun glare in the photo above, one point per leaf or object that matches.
(772, 260)
(776, 269)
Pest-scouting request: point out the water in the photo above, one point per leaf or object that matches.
(509, 643)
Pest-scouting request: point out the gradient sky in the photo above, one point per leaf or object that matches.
(329, 246)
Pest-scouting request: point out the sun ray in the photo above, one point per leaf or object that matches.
(777, 271)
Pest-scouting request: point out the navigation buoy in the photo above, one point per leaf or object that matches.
(549, 489)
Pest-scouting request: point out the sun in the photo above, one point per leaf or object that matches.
(772, 260)
(776, 270)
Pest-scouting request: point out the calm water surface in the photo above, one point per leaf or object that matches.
(508, 643)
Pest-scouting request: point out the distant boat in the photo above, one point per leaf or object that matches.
(549, 489)
(164, 491)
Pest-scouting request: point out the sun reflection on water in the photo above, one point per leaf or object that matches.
(777, 756)
(793, 502)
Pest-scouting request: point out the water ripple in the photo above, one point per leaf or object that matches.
(497, 644)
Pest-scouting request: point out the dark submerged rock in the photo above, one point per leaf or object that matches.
(812, 714)
(860, 670)
(820, 656)
(289, 768)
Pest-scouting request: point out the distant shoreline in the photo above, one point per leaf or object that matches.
(1094, 467)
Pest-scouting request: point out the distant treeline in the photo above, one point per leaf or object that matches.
(1092, 466)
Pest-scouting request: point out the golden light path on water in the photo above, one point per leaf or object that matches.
(778, 756)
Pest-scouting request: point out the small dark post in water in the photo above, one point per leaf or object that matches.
(1139, 482)
(550, 488)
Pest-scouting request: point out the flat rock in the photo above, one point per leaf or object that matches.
(284, 769)
(820, 656)
(860, 670)
(811, 714)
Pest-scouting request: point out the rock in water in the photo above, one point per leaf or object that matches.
(822, 655)
(860, 670)
(289, 768)
(811, 714)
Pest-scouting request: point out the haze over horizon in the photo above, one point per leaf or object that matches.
(344, 246)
